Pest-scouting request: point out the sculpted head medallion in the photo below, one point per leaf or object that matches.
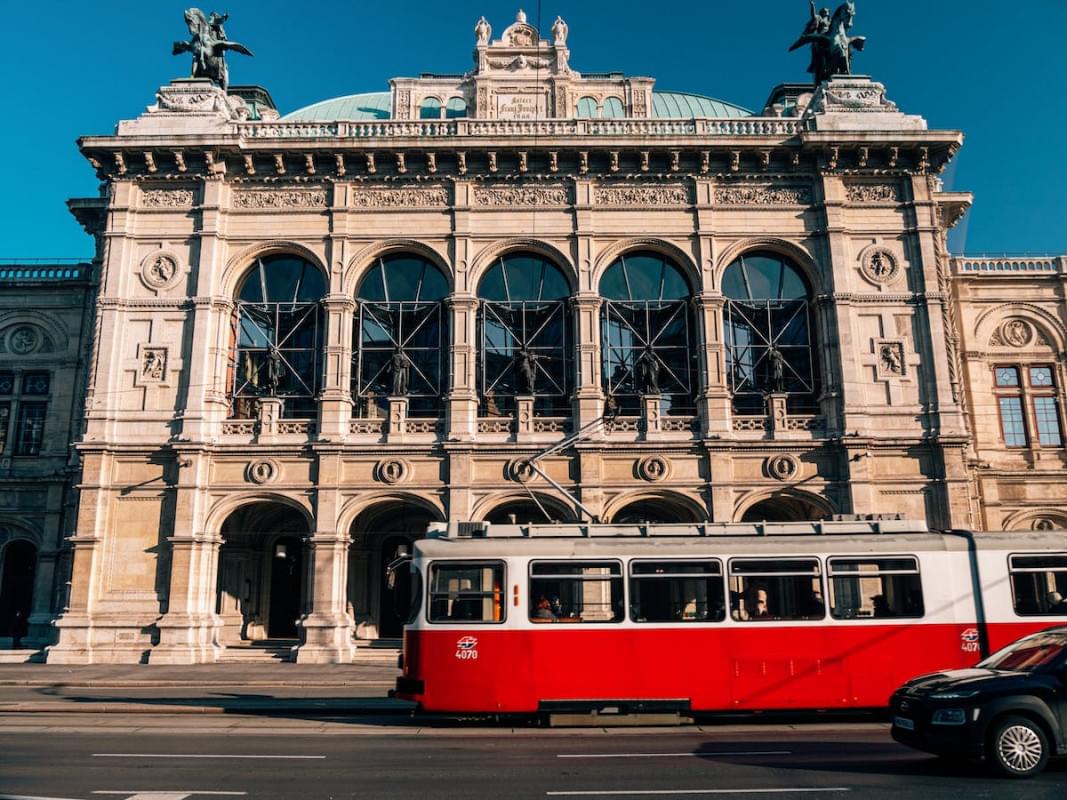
(879, 265)
(783, 467)
(1016, 333)
(159, 270)
(392, 470)
(264, 470)
(653, 468)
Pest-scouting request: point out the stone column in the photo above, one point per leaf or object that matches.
(327, 630)
(186, 631)
(462, 422)
(589, 399)
(714, 407)
(335, 401)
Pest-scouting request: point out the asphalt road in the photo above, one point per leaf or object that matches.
(174, 757)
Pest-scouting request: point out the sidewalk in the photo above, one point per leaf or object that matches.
(319, 689)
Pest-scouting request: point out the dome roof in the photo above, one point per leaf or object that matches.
(376, 105)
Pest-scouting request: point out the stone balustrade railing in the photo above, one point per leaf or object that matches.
(487, 128)
(1019, 265)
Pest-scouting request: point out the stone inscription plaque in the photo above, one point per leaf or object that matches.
(522, 106)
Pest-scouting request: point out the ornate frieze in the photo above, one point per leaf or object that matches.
(763, 194)
(527, 196)
(166, 198)
(430, 197)
(667, 195)
(873, 192)
(280, 198)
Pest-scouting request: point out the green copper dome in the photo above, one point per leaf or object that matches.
(376, 105)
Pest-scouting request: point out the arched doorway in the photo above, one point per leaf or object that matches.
(651, 511)
(784, 509)
(528, 512)
(378, 535)
(262, 586)
(16, 589)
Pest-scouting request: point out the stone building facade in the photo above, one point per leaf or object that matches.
(315, 334)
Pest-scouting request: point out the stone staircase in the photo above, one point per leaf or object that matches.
(377, 651)
(262, 651)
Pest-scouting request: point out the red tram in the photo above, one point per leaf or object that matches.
(712, 617)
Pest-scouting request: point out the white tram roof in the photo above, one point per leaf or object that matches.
(573, 540)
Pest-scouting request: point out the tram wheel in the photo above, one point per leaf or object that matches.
(1018, 748)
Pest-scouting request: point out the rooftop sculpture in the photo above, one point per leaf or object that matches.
(831, 44)
(208, 46)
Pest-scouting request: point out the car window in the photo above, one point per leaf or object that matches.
(1028, 654)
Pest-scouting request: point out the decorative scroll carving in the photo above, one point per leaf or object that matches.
(263, 470)
(879, 265)
(549, 424)
(765, 194)
(495, 425)
(748, 424)
(677, 424)
(873, 192)
(653, 468)
(672, 195)
(365, 426)
(392, 470)
(166, 198)
(400, 198)
(521, 195)
(782, 467)
(239, 427)
(280, 198)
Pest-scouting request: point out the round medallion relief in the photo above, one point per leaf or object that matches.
(520, 471)
(159, 270)
(1016, 333)
(23, 340)
(653, 468)
(262, 471)
(783, 467)
(392, 470)
(879, 265)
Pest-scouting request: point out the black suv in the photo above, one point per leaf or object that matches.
(1010, 709)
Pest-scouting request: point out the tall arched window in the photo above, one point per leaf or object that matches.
(647, 345)
(430, 108)
(613, 108)
(768, 333)
(587, 108)
(398, 341)
(456, 108)
(277, 333)
(525, 336)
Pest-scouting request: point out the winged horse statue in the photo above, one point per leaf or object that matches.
(208, 46)
(831, 44)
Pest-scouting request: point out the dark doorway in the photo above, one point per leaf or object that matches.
(285, 587)
(16, 588)
(394, 599)
(783, 509)
(653, 512)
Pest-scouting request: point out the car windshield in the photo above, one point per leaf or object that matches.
(1028, 654)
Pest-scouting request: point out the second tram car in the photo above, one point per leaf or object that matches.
(712, 617)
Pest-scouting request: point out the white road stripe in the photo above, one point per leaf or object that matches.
(648, 792)
(30, 797)
(156, 794)
(677, 755)
(194, 755)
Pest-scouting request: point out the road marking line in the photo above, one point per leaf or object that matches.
(157, 794)
(30, 797)
(646, 792)
(676, 755)
(194, 755)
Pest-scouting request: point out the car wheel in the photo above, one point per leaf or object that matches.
(1018, 748)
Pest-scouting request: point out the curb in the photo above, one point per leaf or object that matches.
(44, 707)
(163, 684)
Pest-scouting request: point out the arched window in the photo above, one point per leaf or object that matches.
(430, 108)
(525, 336)
(647, 346)
(277, 333)
(456, 108)
(398, 340)
(768, 333)
(613, 108)
(587, 108)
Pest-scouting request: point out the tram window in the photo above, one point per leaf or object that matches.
(465, 592)
(776, 589)
(1039, 585)
(576, 591)
(676, 591)
(875, 588)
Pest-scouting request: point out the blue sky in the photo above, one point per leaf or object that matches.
(88, 64)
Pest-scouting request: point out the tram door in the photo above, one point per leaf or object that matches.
(395, 597)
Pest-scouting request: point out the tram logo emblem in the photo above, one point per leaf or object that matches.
(969, 640)
(467, 648)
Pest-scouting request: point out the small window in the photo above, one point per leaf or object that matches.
(587, 108)
(875, 588)
(1041, 376)
(1046, 413)
(430, 108)
(456, 108)
(1011, 419)
(1039, 585)
(31, 429)
(7, 383)
(576, 591)
(776, 589)
(35, 383)
(414, 596)
(613, 108)
(465, 592)
(676, 591)
(1007, 376)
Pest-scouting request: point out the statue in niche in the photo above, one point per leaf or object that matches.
(777, 364)
(648, 368)
(891, 357)
(482, 31)
(559, 32)
(831, 44)
(400, 368)
(526, 370)
(208, 46)
(153, 365)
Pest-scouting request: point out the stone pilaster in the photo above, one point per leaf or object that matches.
(328, 629)
(589, 399)
(335, 401)
(187, 630)
(463, 398)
